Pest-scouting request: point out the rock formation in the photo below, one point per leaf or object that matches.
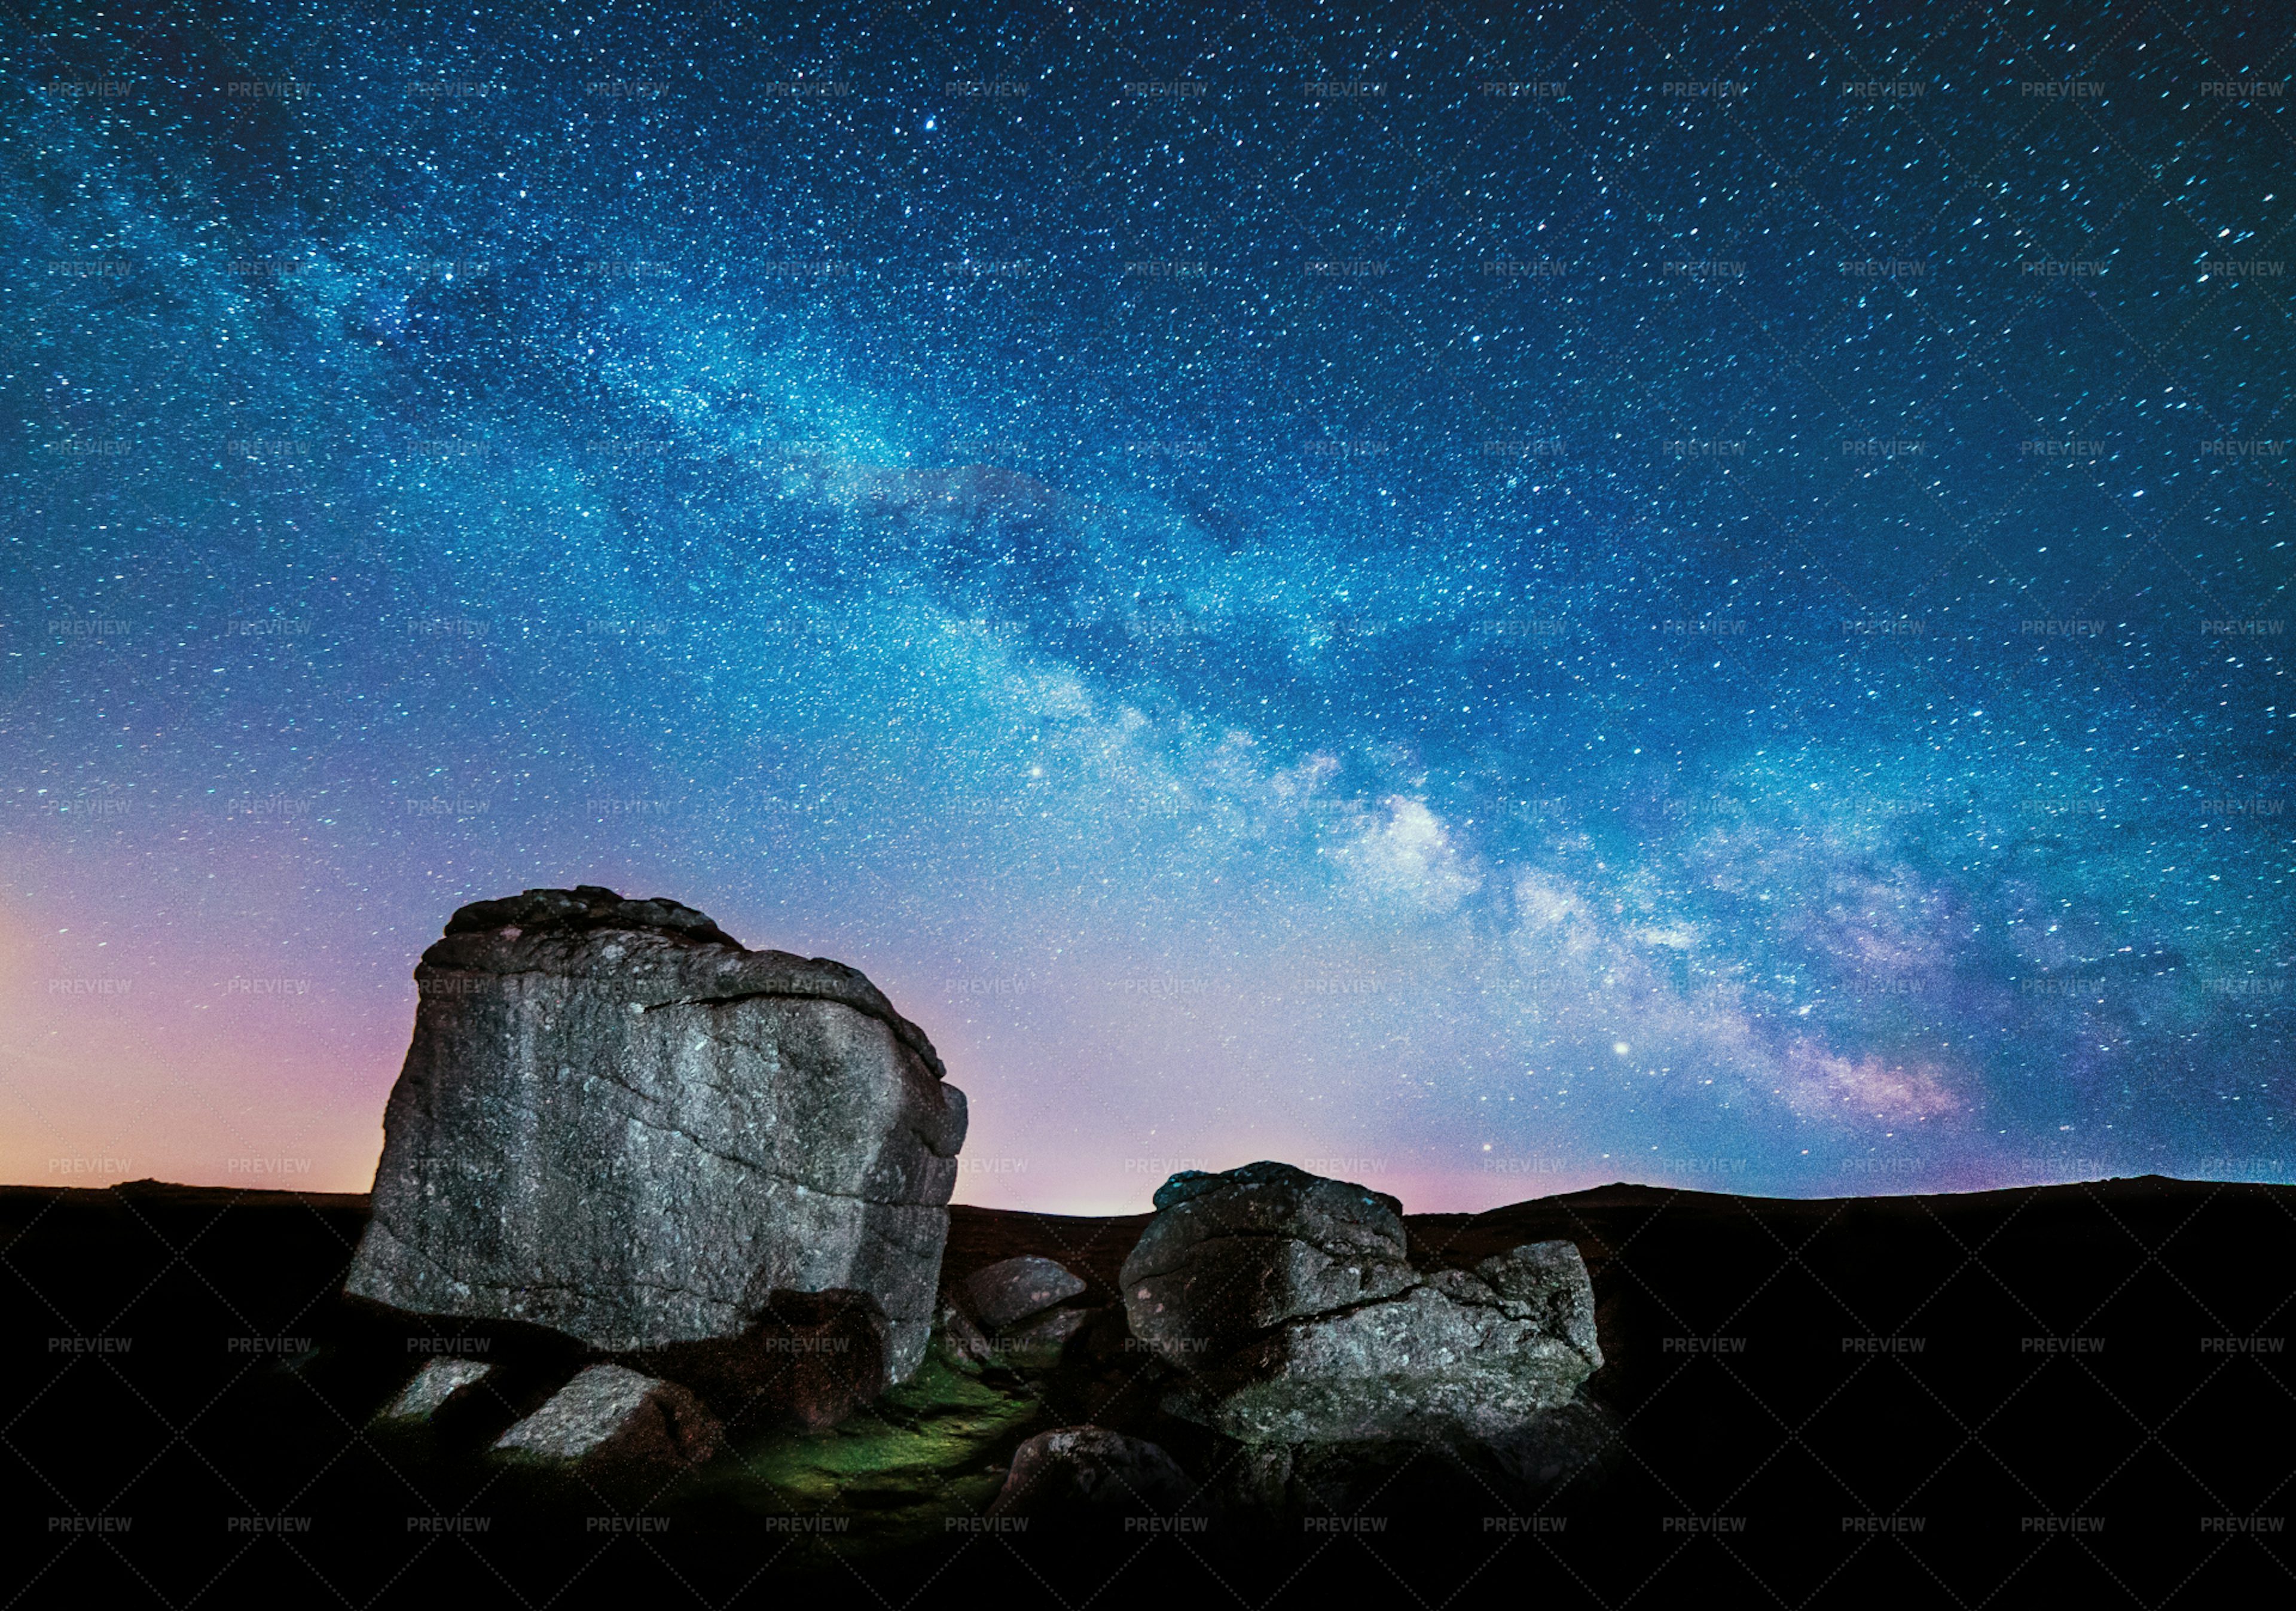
(1290, 1307)
(616, 1121)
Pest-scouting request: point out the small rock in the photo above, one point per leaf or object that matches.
(963, 1340)
(1092, 1471)
(1038, 1344)
(1014, 1289)
(432, 1387)
(610, 1421)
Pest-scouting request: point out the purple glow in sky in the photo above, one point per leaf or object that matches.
(1475, 643)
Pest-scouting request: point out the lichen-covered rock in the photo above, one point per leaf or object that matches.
(610, 1421)
(616, 1121)
(1288, 1305)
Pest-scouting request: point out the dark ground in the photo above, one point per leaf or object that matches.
(2073, 1389)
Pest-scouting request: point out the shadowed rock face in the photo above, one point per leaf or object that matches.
(811, 1361)
(1289, 1304)
(615, 1121)
(1080, 1471)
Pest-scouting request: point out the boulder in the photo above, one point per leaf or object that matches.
(1090, 1471)
(997, 1295)
(1037, 1343)
(1290, 1307)
(433, 1387)
(616, 1121)
(613, 1422)
(1229, 1256)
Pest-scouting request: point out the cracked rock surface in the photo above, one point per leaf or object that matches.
(1289, 1307)
(616, 1121)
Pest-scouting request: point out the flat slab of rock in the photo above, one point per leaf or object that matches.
(1090, 1470)
(997, 1295)
(1290, 1307)
(433, 1385)
(613, 1421)
(616, 1121)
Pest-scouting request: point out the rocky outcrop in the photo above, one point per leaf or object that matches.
(616, 1121)
(1288, 1307)
(1080, 1471)
(613, 1422)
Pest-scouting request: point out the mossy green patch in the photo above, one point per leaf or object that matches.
(937, 1446)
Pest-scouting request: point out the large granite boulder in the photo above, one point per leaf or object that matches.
(616, 1121)
(1288, 1307)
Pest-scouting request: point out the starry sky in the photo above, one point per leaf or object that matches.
(1481, 600)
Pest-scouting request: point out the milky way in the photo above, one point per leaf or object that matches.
(1481, 600)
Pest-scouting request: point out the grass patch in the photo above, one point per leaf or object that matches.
(937, 1446)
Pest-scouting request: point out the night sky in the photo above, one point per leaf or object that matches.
(1483, 602)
